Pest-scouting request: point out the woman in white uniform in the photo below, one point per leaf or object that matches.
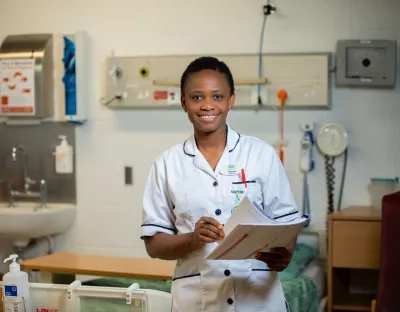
(190, 194)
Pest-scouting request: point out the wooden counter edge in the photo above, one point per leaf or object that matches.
(356, 213)
(98, 273)
(36, 264)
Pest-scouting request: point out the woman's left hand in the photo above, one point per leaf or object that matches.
(277, 259)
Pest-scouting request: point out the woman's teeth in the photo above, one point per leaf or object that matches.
(208, 117)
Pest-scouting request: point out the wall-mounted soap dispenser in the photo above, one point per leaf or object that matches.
(26, 78)
(64, 156)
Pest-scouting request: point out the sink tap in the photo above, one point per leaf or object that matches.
(26, 193)
(27, 180)
(10, 191)
(43, 192)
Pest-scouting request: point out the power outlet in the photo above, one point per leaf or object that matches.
(128, 175)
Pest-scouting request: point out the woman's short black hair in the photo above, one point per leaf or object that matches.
(204, 63)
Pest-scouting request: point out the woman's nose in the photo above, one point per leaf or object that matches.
(207, 104)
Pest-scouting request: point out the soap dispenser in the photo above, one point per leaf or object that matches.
(64, 156)
(16, 288)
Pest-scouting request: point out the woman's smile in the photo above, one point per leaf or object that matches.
(208, 118)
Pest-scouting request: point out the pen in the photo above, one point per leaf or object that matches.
(244, 178)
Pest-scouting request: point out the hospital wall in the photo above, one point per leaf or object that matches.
(109, 213)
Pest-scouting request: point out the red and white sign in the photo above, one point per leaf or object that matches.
(17, 86)
(160, 95)
(45, 309)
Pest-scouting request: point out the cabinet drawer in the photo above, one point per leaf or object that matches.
(356, 244)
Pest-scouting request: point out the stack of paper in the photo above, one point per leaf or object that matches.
(249, 230)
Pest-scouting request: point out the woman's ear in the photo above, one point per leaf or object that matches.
(183, 104)
(231, 101)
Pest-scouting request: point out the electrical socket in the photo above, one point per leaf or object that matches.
(128, 175)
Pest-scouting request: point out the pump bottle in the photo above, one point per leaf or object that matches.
(16, 288)
(64, 156)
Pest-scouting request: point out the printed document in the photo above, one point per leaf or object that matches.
(249, 230)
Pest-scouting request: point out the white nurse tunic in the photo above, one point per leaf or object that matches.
(182, 187)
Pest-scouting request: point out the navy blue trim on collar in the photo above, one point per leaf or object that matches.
(230, 151)
(184, 144)
(237, 142)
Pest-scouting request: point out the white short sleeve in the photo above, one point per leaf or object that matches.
(158, 215)
(278, 198)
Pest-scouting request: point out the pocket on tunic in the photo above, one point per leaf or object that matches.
(253, 192)
(187, 293)
(267, 290)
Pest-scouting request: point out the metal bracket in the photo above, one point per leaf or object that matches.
(71, 287)
(132, 288)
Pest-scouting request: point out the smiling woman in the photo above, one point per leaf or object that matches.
(192, 189)
(208, 94)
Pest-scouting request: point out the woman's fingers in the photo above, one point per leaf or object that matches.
(212, 225)
(206, 233)
(209, 230)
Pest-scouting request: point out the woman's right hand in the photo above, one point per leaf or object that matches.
(208, 230)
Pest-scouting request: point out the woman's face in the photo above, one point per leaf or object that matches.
(207, 100)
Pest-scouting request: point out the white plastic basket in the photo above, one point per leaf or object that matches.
(78, 298)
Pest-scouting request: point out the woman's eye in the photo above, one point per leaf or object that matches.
(196, 97)
(218, 96)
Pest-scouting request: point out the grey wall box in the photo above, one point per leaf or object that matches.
(366, 63)
(36, 50)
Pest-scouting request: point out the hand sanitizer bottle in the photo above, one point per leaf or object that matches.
(16, 288)
(64, 156)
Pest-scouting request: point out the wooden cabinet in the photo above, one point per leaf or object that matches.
(353, 258)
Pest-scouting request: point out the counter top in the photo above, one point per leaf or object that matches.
(86, 264)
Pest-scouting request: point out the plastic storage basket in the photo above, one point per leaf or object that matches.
(78, 298)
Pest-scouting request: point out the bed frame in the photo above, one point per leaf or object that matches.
(316, 237)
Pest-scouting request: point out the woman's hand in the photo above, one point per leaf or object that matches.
(277, 259)
(207, 230)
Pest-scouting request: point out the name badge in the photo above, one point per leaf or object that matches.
(238, 188)
(230, 170)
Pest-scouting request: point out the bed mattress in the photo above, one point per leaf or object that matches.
(315, 271)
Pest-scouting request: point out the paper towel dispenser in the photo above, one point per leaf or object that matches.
(26, 77)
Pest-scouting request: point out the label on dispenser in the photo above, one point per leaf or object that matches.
(10, 291)
(17, 87)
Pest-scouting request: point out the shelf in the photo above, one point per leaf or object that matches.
(350, 308)
(355, 302)
(153, 82)
(354, 289)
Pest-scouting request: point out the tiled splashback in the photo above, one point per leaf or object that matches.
(40, 142)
